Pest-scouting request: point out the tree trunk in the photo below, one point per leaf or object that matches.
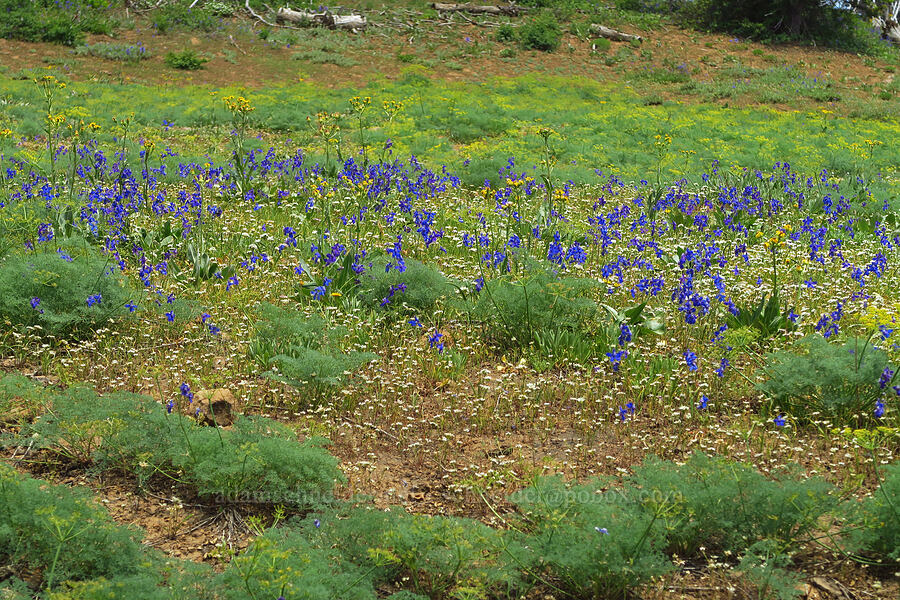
(324, 19)
(509, 9)
(612, 34)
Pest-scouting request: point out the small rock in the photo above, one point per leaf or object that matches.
(216, 407)
(195, 41)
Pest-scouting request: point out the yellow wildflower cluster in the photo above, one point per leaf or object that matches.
(360, 104)
(391, 108)
(238, 105)
(777, 240)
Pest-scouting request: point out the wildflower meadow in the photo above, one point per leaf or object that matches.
(532, 335)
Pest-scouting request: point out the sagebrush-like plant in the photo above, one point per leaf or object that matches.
(418, 289)
(303, 351)
(285, 562)
(79, 553)
(519, 311)
(67, 292)
(833, 381)
(594, 544)
(257, 461)
(878, 535)
(723, 505)
(62, 531)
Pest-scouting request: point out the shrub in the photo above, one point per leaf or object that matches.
(726, 506)
(417, 289)
(62, 531)
(186, 60)
(286, 562)
(541, 33)
(602, 45)
(834, 381)
(448, 556)
(64, 292)
(111, 51)
(258, 460)
(878, 535)
(39, 21)
(435, 556)
(178, 15)
(20, 397)
(597, 545)
(302, 351)
(79, 553)
(518, 311)
(506, 33)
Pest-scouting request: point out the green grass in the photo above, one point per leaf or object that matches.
(599, 125)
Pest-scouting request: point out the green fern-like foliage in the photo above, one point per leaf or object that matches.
(824, 380)
(518, 311)
(303, 351)
(280, 328)
(257, 461)
(878, 535)
(432, 556)
(260, 462)
(418, 289)
(52, 290)
(80, 553)
(727, 506)
(288, 562)
(36, 519)
(595, 545)
(20, 398)
(449, 557)
(316, 368)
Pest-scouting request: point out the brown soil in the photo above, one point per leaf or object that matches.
(239, 57)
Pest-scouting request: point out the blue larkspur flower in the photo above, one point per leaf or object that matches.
(690, 358)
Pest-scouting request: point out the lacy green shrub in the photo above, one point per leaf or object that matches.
(302, 351)
(66, 293)
(878, 520)
(820, 379)
(284, 562)
(764, 565)
(434, 556)
(80, 552)
(722, 505)
(518, 311)
(257, 461)
(20, 397)
(63, 532)
(114, 431)
(186, 60)
(448, 557)
(592, 544)
(418, 289)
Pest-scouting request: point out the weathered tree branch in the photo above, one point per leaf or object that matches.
(612, 34)
(511, 10)
(323, 19)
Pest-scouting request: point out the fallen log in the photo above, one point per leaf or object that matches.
(510, 10)
(323, 19)
(612, 34)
